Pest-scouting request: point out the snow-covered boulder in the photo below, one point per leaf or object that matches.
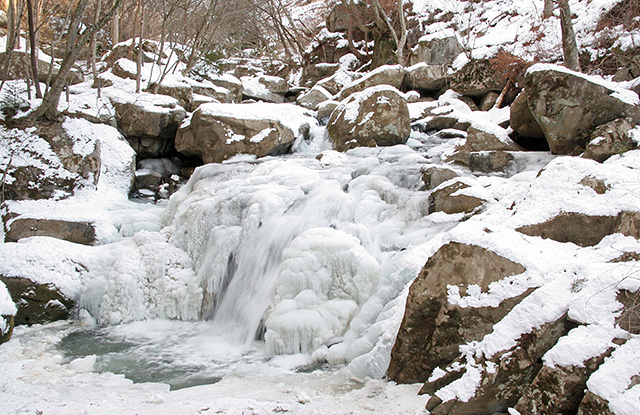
(477, 78)
(450, 200)
(432, 328)
(264, 88)
(313, 73)
(7, 314)
(178, 89)
(148, 121)
(21, 62)
(392, 75)
(315, 96)
(80, 232)
(32, 169)
(37, 303)
(125, 69)
(130, 52)
(325, 276)
(615, 137)
(425, 77)
(228, 82)
(440, 48)
(569, 105)
(377, 116)
(434, 176)
(217, 132)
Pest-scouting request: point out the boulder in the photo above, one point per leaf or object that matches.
(37, 303)
(217, 132)
(6, 327)
(149, 122)
(568, 105)
(513, 372)
(314, 97)
(313, 73)
(593, 404)
(181, 91)
(584, 230)
(325, 109)
(435, 176)
(432, 329)
(392, 75)
(214, 92)
(559, 389)
(230, 83)
(488, 101)
(125, 69)
(444, 200)
(441, 48)
(610, 139)
(522, 120)
(477, 78)
(425, 77)
(253, 89)
(491, 161)
(21, 64)
(377, 116)
(73, 231)
(489, 138)
(335, 83)
(274, 84)
(127, 51)
(7, 314)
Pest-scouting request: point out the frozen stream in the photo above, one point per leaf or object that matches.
(280, 281)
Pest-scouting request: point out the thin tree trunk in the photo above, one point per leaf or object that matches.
(94, 45)
(115, 29)
(48, 109)
(11, 25)
(34, 47)
(140, 52)
(569, 45)
(547, 12)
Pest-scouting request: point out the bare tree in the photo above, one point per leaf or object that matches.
(569, 45)
(32, 14)
(400, 39)
(48, 109)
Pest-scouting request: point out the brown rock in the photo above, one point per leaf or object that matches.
(435, 176)
(489, 101)
(598, 185)
(610, 139)
(422, 343)
(491, 161)
(377, 116)
(522, 121)
(37, 303)
(568, 107)
(592, 404)
(443, 200)
(425, 77)
(477, 78)
(9, 322)
(392, 75)
(79, 232)
(437, 51)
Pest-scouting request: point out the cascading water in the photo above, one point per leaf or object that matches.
(311, 252)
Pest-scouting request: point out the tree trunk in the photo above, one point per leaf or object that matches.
(547, 12)
(11, 25)
(94, 46)
(569, 45)
(48, 109)
(140, 52)
(115, 29)
(34, 46)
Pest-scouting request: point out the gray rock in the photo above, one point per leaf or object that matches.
(377, 116)
(435, 176)
(568, 107)
(437, 51)
(425, 77)
(610, 139)
(392, 75)
(522, 120)
(432, 329)
(314, 97)
(477, 78)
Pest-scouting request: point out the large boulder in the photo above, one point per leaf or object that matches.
(180, 90)
(228, 82)
(217, 132)
(7, 314)
(609, 139)
(127, 50)
(43, 166)
(435, 176)
(432, 329)
(79, 232)
(477, 78)
(568, 105)
(314, 97)
(522, 120)
(392, 75)
(441, 48)
(584, 230)
(264, 88)
(377, 116)
(149, 122)
(446, 200)
(21, 64)
(425, 77)
(37, 303)
(125, 69)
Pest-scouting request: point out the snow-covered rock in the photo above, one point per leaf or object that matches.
(377, 116)
(392, 75)
(217, 132)
(314, 97)
(569, 105)
(441, 48)
(425, 77)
